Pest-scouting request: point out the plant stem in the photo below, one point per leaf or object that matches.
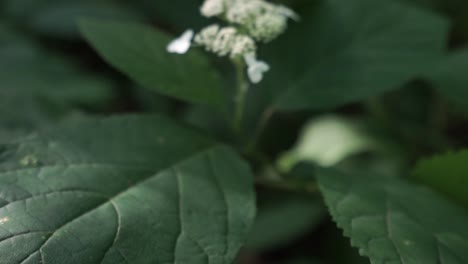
(239, 100)
(266, 116)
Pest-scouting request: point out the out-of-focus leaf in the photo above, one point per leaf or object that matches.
(140, 52)
(58, 18)
(37, 87)
(303, 261)
(345, 51)
(177, 14)
(447, 173)
(283, 218)
(432, 4)
(449, 76)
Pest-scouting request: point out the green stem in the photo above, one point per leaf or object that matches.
(264, 119)
(239, 100)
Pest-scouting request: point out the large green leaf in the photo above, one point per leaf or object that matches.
(140, 52)
(122, 190)
(395, 222)
(446, 173)
(345, 51)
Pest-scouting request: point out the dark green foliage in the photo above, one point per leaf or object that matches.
(113, 150)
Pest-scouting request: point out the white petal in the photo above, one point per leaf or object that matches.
(256, 68)
(254, 75)
(250, 58)
(182, 44)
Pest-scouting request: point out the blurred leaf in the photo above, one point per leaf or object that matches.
(283, 218)
(450, 77)
(123, 190)
(432, 4)
(213, 122)
(302, 261)
(178, 14)
(415, 108)
(140, 52)
(392, 221)
(37, 87)
(58, 18)
(345, 51)
(447, 173)
(333, 241)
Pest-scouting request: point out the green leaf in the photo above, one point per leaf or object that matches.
(37, 87)
(57, 18)
(429, 4)
(171, 13)
(300, 212)
(449, 77)
(122, 190)
(140, 52)
(303, 261)
(346, 51)
(447, 173)
(395, 222)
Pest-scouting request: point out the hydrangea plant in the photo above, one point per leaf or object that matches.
(286, 132)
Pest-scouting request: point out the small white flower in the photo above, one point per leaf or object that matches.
(256, 68)
(182, 44)
(211, 8)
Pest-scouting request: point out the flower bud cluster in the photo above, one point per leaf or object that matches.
(224, 41)
(262, 20)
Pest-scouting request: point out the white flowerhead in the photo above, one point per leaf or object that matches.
(211, 8)
(249, 22)
(182, 44)
(255, 68)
